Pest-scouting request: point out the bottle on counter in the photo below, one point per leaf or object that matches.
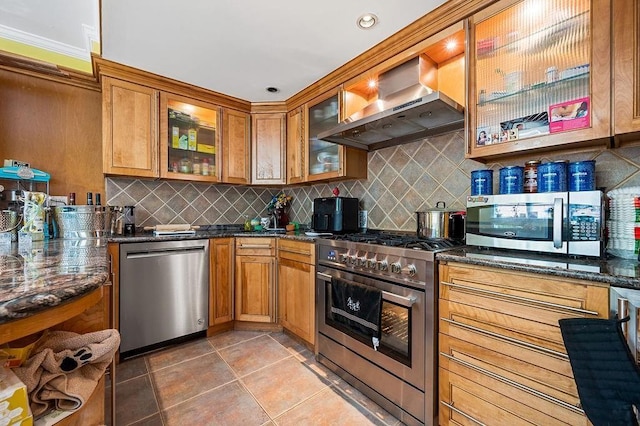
(89, 199)
(98, 199)
(72, 198)
(247, 223)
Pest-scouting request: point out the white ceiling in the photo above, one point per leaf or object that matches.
(241, 47)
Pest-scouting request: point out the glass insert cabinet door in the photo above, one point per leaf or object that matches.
(532, 73)
(324, 157)
(191, 143)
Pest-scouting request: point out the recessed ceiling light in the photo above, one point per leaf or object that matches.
(272, 89)
(451, 44)
(366, 21)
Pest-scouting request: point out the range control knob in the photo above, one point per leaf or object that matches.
(396, 268)
(362, 261)
(383, 265)
(371, 263)
(353, 259)
(409, 270)
(344, 258)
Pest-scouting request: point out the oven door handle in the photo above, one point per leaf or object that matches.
(403, 301)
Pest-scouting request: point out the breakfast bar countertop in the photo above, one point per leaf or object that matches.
(49, 273)
(608, 270)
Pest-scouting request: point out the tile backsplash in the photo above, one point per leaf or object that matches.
(401, 180)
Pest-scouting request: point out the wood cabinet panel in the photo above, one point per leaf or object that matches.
(255, 280)
(296, 147)
(236, 147)
(626, 65)
(221, 252)
(268, 148)
(129, 128)
(499, 336)
(296, 287)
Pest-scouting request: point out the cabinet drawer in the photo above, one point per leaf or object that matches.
(468, 394)
(255, 246)
(543, 372)
(298, 251)
(520, 306)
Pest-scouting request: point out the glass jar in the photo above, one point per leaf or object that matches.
(197, 166)
(185, 165)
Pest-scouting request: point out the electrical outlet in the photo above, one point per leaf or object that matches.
(363, 219)
(311, 206)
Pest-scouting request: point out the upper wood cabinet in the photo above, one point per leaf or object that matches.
(327, 160)
(539, 75)
(189, 139)
(129, 128)
(626, 64)
(296, 146)
(236, 146)
(268, 146)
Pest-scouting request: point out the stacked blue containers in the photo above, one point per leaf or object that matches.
(511, 180)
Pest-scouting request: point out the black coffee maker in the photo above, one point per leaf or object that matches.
(335, 215)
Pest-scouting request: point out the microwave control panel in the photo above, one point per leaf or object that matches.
(584, 223)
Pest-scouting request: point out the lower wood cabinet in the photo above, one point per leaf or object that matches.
(502, 358)
(296, 292)
(255, 280)
(221, 273)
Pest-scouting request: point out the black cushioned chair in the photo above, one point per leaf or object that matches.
(605, 372)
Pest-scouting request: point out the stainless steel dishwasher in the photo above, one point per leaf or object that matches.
(164, 292)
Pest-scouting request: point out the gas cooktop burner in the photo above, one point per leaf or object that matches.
(399, 240)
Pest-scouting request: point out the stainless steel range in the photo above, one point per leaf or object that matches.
(395, 365)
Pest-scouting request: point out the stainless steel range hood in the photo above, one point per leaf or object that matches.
(406, 110)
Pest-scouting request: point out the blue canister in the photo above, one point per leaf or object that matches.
(511, 180)
(582, 176)
(552, 177)
(482, 182)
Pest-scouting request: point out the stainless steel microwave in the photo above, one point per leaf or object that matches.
(553, 222)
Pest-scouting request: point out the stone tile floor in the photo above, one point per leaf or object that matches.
(237, 378)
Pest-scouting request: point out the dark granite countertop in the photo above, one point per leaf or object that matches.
(611, 270)
(48, 273)
(52, 272)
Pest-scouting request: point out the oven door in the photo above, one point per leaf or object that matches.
(518, 221)
(401, 350)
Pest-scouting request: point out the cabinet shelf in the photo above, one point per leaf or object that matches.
(536, 89)
(549, 38)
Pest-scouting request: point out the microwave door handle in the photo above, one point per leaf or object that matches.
(557, 222)
(623, 312)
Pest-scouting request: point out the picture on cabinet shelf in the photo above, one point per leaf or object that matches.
(484, 136)
(574, 114)
(526, 127)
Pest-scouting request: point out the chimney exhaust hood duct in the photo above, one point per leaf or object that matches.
(406, 110)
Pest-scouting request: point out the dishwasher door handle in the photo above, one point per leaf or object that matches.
(164, 252)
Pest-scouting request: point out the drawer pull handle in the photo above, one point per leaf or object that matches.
(521, 299)
(507, 338)
(462, 413)
(302, 252)
(514, 384)
(255, 246)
